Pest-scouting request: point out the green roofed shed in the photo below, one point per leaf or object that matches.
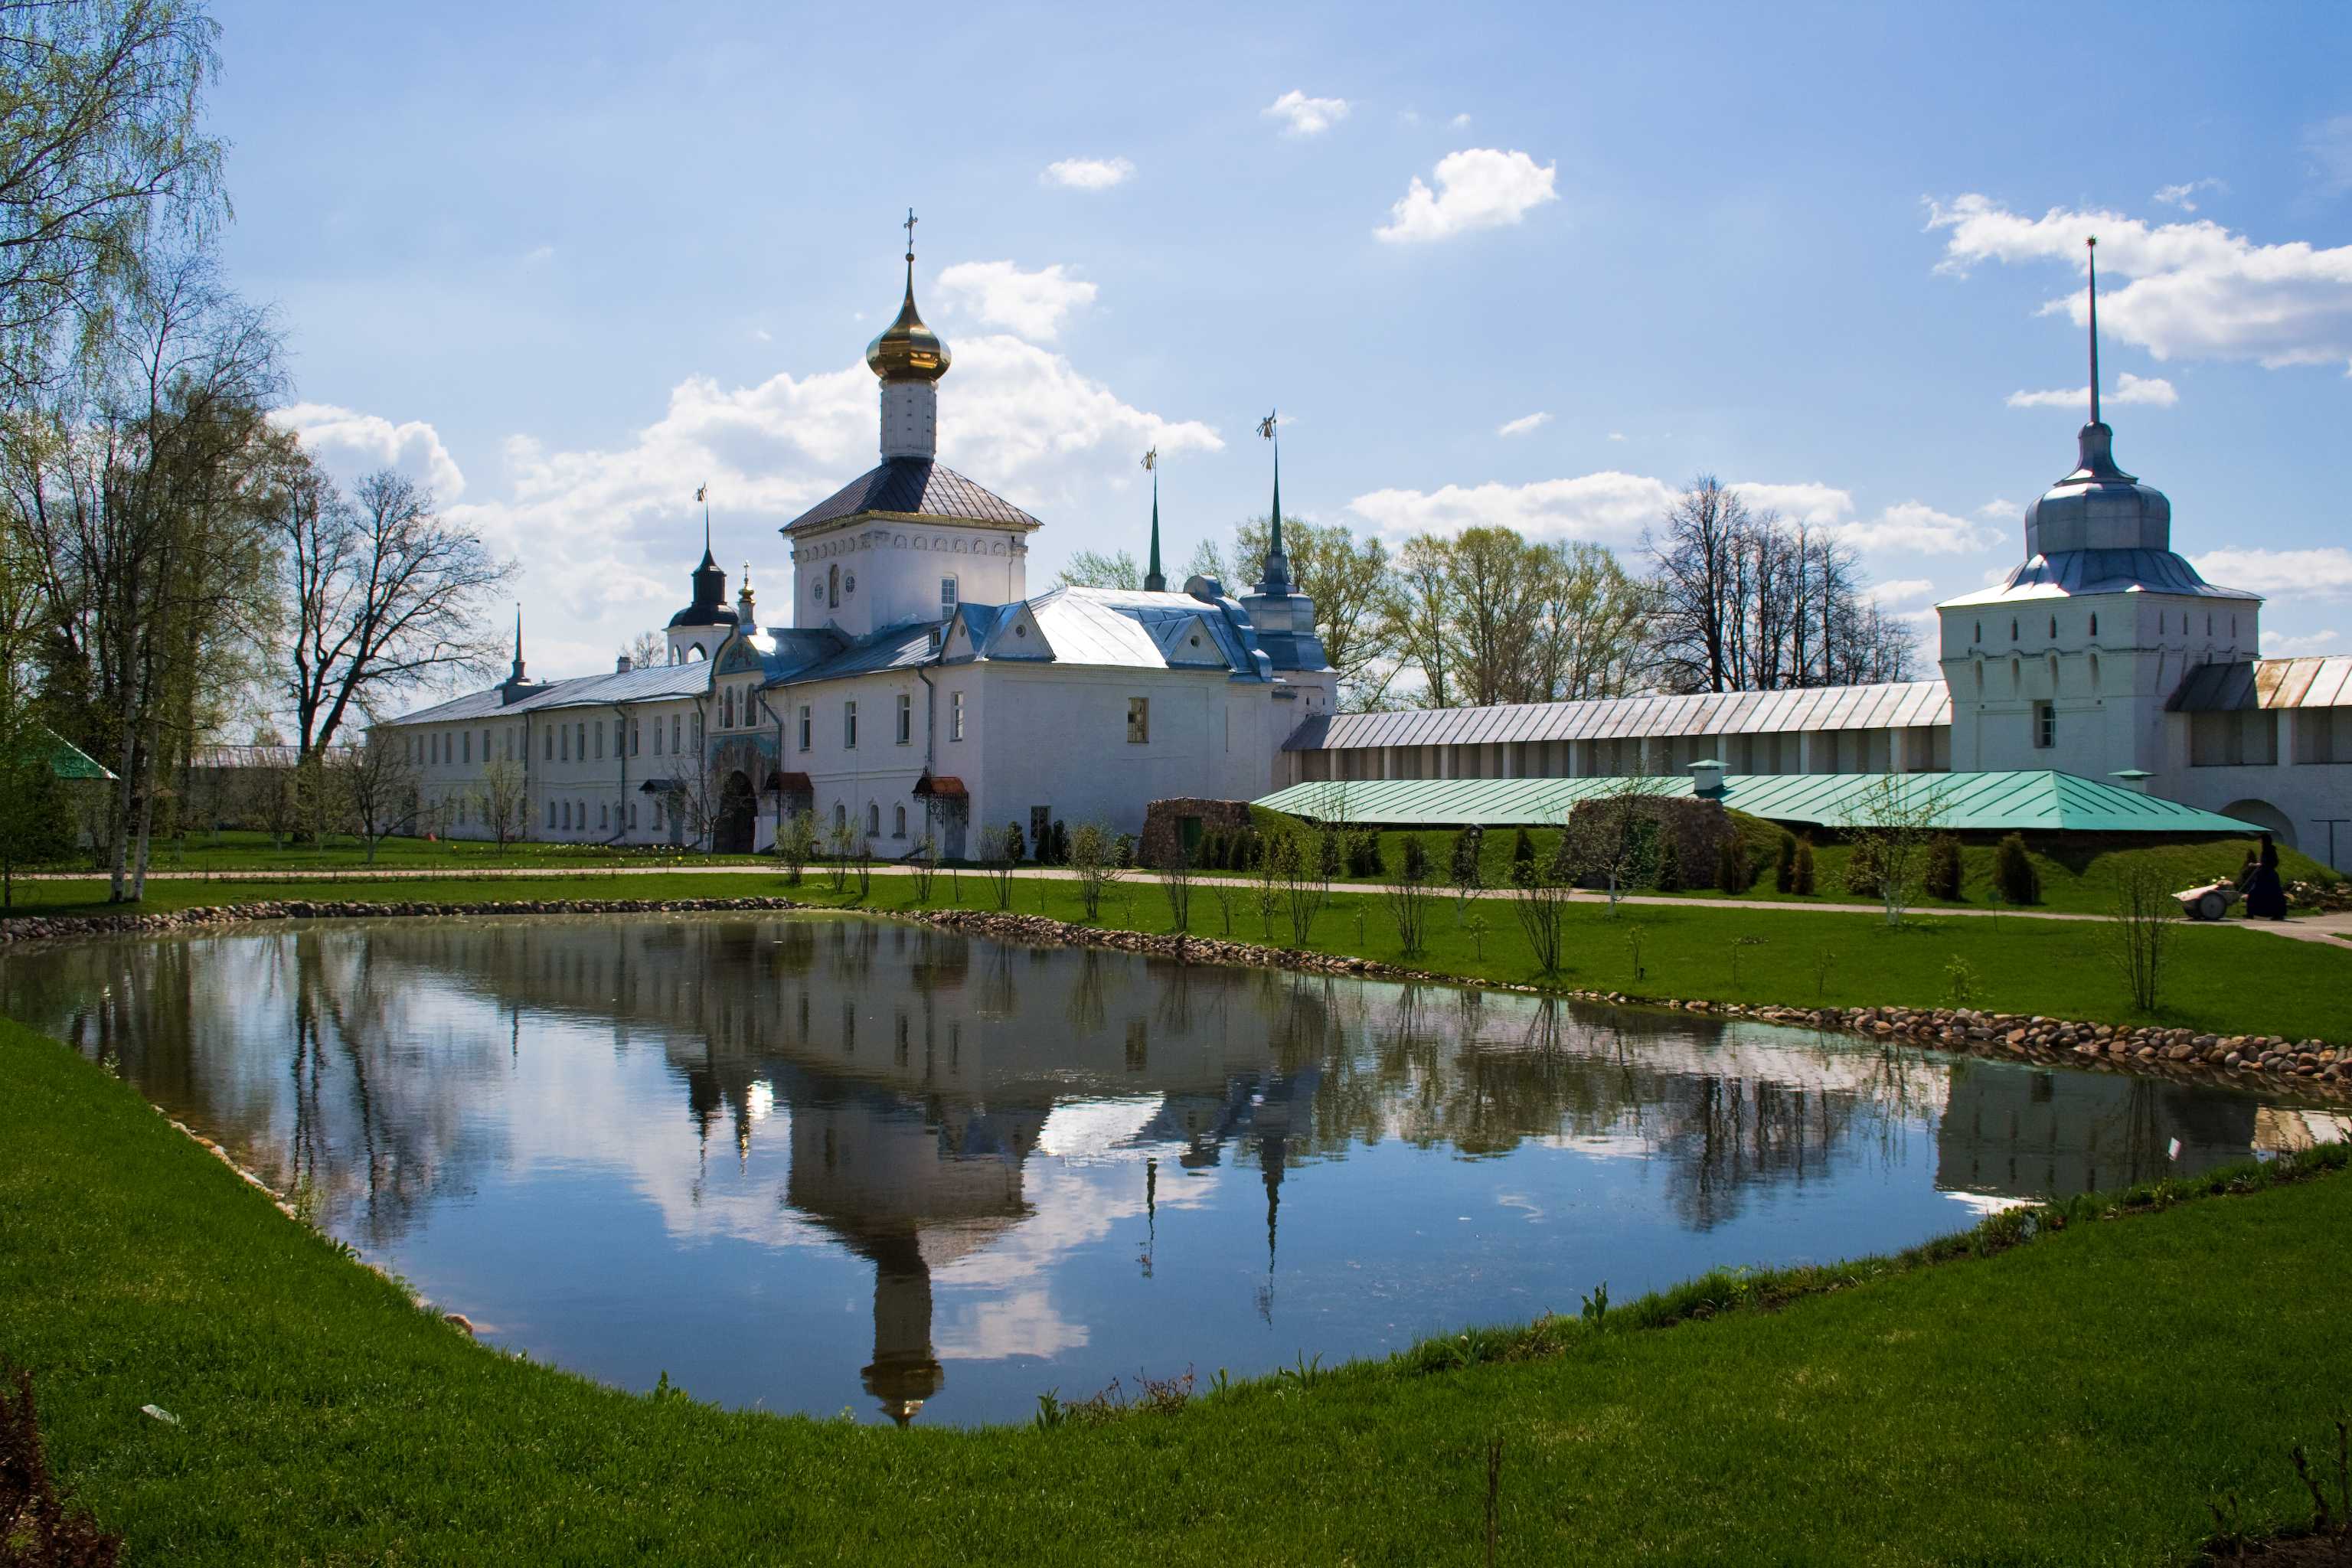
(2033, 801)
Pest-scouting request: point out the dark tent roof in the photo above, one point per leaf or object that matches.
(914, 487)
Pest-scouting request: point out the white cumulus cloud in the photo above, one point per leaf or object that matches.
(2325, 571)
(1478, 187)
(1524, 423)
(2184, 196)
(1609, 506)
(1002, 295)
(2302, 647)
(2143, 389)
(1918, 527)
(1088, 173)
(349, 443)
(1899, 590)
(1305, 116)
(2196, 289)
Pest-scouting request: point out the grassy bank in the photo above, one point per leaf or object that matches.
(2222, 979)
(2075, 880)
(2076, 1399)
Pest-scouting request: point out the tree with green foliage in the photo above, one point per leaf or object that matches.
(2013, 873)
(1944, 872)
(1731, 866)
(1669, 866)
(1800, 866)
(1523, 853)
(1784, 866)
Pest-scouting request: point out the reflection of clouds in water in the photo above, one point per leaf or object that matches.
(1088, 1130)
(1070, 1207)
(1988, 1203)
(1022, 1323)
(1521, 1201)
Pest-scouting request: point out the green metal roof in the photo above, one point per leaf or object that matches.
(67, 761)
(2041, 802)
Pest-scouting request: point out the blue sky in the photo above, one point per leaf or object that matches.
(569, 263)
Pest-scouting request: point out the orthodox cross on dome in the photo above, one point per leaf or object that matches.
(1154, 580)
(909, 227)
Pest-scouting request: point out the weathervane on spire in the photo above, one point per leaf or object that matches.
(1277, 564)
(701, 497)
(2091, 248)
(909, 227)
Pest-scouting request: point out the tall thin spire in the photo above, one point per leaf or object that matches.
(1154, 580)
(2090, 247)
(516, 677)
(1276, 580)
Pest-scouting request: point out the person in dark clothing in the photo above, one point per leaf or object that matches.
(2266, 898)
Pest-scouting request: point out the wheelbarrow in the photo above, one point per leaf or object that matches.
(2209, 902)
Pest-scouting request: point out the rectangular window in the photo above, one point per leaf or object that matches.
(955, 716)
(580, 738)
(465, 741)
(807, 724)
(905, 718)
(947, 598)
(673, 720)
(563, 742)
(2045, 725)
(1138, 721)
(849, 723)
(636, 734)
(600, 739)
(486, 743)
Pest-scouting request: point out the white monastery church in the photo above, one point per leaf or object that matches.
(919, 688)
(915, 686)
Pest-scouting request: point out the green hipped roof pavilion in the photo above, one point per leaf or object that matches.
(2036, 802)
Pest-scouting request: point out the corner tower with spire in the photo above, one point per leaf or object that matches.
(2069, 662)
(1284, 618)
(700, 629)
(909, 358)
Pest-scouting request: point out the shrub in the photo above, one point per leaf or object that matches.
(1784, 868)
(1209, 855)
(1670, 868)
(1416, 859)
(1330, 855)
(2013, 872)
(1365, 857)
(1801, 870)
(1061, 832)
(1730, 867)
(1943, 876)
(1862, 868)
(1523, 856)
(1016, 848)
(1463, 864)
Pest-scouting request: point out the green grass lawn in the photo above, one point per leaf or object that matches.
(2225, 979)
(2074, 881)
(2075, 1400)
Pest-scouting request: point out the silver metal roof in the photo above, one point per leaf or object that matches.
(651, 683)
(1891, 705)
(2069, 572)
(2257, 683)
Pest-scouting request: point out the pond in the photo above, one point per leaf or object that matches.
(810, 1163)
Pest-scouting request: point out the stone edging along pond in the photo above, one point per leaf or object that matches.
(2310, 1064)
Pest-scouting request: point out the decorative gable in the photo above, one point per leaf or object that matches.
(1018, 636)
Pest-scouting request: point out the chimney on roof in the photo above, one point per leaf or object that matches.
(1706, 778)
(623, 665)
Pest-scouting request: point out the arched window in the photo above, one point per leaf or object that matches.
(948, 597)
(602, 820)
(2016, 676)
(580, 814)
(2054, 627)
(2209, 623)
(551, 814)
(833, 587)
(2094, 672)
(873, 821)
(899, 821)
(2013, 631)
(840, 815)
(1979, 636)
(727, 709)
(2095, 626)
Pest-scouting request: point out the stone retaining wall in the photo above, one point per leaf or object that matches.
(2267, 1060)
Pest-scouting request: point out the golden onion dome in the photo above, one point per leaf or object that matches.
(907, 350)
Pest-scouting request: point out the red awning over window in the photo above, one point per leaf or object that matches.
(947, 786)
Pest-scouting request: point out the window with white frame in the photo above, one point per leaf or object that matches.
(955, 716)
(905, 718)
(2045, 725)
(873, 821)
(849, 723)
(948, 597)
(897, 822)
(808, 725)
